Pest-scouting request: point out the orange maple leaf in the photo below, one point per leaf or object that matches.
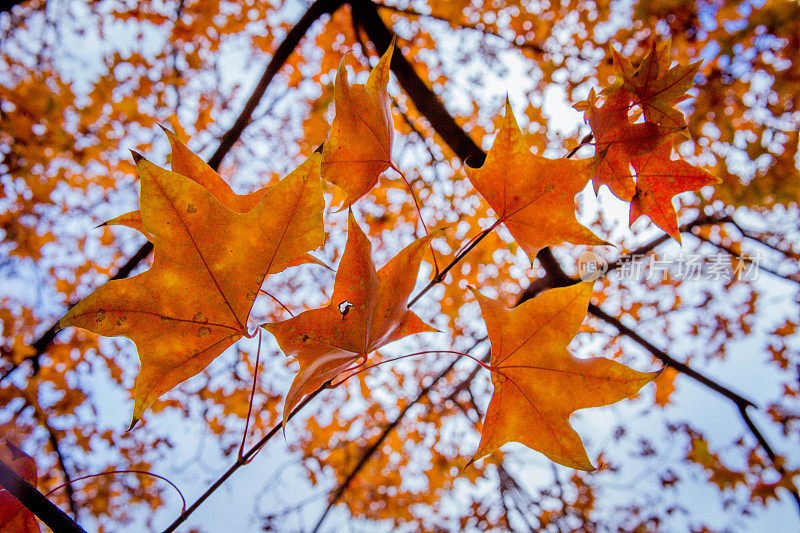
(14, 517)
(658, 86)
(538, 384)
(658, 179)
(208, 267)
(189, 164)
(617, 140)
(533, 196)
(367, 310)
(360, 144)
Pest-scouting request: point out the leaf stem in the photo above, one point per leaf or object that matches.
(472, 243)
(393, 359)
(252, 396)
(110, 472)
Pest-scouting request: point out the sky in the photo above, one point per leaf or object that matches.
(274, 480)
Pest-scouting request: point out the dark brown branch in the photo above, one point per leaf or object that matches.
(282, 53)
(365, 14)
(62, 464)
(555, 277)
(228, 139)
(36, 502)
(668, 360)
(776, 462)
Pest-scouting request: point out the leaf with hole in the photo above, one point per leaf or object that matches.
(367, 310)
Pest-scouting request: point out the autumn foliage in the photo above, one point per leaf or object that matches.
(361, 278)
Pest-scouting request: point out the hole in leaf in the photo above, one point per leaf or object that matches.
(344, 308)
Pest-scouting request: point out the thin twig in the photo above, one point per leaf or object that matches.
(62, 465)
(41, 418)
(373, 448)
(464, 25)
(252, 396)
(733, 253)
(458, 257)
(243, 460)
(778, 464)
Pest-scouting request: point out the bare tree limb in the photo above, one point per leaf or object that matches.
(661, 355)
(365, 14)
(36, 502)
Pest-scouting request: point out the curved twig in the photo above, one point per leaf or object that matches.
(242, 460)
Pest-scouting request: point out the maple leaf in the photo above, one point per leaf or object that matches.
(367, 311)
(14, 517)
(658, 86)
(658, 179)
(538, 384)
(718, 473)
(617, 140)
(360, 144)
(533, 196)
(208, 266)
(189, 164)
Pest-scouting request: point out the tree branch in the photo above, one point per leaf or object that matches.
(35, 502)
(373, 448)
(62, 464)
(408, 12)
(668, 360)
(776, 462)
(555, 277)
(366, 15)
(733, 253)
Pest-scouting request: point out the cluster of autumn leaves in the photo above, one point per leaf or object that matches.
(214, 249)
